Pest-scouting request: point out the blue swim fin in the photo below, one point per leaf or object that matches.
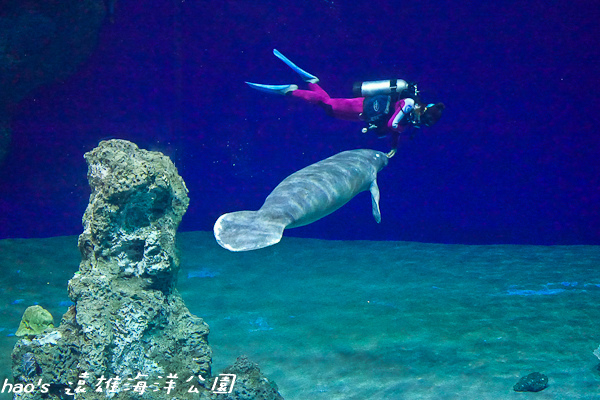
(274, 89)
(305, 75)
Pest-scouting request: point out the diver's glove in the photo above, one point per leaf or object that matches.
(369, 128)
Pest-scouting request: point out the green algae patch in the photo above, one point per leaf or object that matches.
(35, 320)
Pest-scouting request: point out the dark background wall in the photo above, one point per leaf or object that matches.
(515, 158)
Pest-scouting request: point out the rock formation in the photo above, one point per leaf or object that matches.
(129, 334)
(533, 382)
(251, 384)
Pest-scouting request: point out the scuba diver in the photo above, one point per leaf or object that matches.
(387, 107)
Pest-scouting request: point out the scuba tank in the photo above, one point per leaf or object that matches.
(372, 88)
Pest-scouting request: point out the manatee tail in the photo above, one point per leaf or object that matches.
(247, 230)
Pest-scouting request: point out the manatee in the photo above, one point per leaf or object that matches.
(302, 198)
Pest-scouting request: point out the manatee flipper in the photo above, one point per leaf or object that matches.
(374, 189)
(247, 230)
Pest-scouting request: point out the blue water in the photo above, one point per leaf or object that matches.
(513, 159)
(362, 320)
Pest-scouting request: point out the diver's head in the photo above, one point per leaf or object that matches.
(431, 114)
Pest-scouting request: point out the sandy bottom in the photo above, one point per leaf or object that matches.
(333, 320)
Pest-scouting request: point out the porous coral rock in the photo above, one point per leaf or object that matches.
(128, 318)
(250, 383)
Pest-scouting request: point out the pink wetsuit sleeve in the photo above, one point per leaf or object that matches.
(402, 108)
